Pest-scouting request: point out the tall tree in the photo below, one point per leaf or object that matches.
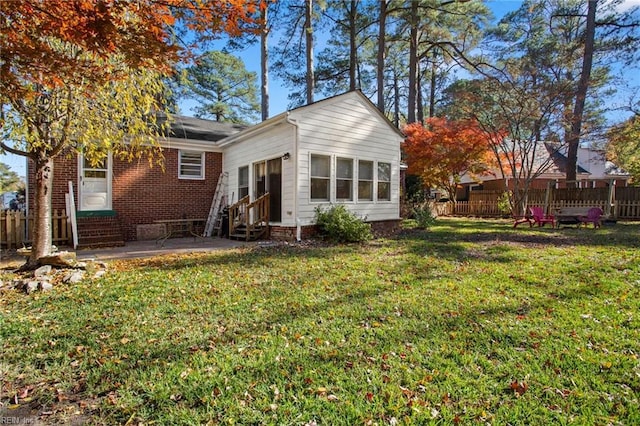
(293, 56)
(224, 88)
(382, 48)
(346, 63)
(308, 32)
(572, 45)
(450, 28)
(265, 29)
(269, 18)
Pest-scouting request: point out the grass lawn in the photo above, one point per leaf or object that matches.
(468, 322)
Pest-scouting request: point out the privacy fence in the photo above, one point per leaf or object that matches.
(16, 229)
(620, 203)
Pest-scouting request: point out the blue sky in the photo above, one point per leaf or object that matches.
(278, 93)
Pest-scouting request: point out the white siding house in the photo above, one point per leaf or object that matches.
(340, 150)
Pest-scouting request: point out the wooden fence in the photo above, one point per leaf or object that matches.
(16, 229)
(622, 203)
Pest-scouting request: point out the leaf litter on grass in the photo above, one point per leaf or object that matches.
(466, 322)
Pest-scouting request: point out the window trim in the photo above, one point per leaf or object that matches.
(378, 180)
(371, 181)
(240, 186)
(351, 179)
(328, 178)
(201, 176)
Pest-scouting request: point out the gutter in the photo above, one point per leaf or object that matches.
(296, 174)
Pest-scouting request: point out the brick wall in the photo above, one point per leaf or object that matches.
(142, 194)
(286, 233)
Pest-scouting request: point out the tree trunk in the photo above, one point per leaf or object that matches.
(413, 62)
(381, 53)
(396, 99)
(264, 65)
(353, 54)
(41, 244)
(419, 100)
(573, 140)
(308, 30)
(432, 88)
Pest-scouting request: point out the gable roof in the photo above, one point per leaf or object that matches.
(560, 161)
(282, 117)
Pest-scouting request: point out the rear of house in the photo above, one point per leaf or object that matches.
(340, 150)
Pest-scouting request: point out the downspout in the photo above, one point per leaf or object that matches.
(296, 174)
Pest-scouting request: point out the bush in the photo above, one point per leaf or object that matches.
(504, 203)
(424, 216)
(340, 225)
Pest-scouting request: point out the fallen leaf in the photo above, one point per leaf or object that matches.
(519, 388)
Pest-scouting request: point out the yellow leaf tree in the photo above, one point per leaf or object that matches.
(94, 118)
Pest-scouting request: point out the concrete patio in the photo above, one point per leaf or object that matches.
(142, 249)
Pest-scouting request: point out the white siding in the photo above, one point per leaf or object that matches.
(270, 144)
(345, 126)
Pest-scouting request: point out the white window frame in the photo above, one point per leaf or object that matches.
(325, 178)
(200, 176)
(371, 181)
(240, 186)
(378, 181)
(350, 179)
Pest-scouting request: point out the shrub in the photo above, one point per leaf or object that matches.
(424, 216)
(340, 225)
(504, 203)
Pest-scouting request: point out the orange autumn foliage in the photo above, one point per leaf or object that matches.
(140, 33)
(443, 150)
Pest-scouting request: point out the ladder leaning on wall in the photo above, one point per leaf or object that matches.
(219, 199)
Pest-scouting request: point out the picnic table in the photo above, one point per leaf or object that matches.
(175, 227)
(571, 215)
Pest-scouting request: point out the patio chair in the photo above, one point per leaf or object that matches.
(540, 218)
(594, 215)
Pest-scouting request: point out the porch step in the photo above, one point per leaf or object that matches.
(240, 233)
(95, 232)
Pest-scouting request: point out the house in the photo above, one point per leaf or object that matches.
(338, 150)
(593, 170)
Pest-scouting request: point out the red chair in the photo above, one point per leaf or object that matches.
(594, 215)
(538, 216)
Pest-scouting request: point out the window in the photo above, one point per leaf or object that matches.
(384, 181)
(344, 179)
(320, 177)
(365, 180)
(190, 165)
(243, 182)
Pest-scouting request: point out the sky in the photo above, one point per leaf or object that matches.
(278, 93)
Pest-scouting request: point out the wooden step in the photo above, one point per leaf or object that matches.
(241, 234)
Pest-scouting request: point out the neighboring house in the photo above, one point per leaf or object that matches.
(338, 150)
(593, 170)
